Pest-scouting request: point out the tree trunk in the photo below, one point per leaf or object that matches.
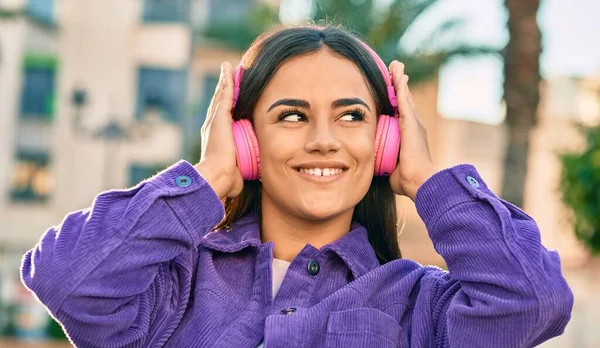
(521, 92)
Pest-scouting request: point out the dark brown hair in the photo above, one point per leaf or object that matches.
(377, 210)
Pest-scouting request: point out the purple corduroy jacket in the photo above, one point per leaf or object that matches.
(143, 268)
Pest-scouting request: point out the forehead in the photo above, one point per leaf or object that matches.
(318, 76)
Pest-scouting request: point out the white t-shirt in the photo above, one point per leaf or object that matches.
(280, 267)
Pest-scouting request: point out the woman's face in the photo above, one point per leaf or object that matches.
(315, 123)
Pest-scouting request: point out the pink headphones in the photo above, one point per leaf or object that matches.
(387, 140)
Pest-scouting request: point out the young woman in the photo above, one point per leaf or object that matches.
(307, 255)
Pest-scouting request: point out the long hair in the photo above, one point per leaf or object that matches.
(377, 210)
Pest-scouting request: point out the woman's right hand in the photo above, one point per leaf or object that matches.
(218, 159)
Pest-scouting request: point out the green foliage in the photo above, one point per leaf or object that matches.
(382, 28)
(580, 187)
(55, 331)
(352, 15)
(239, 34)
(9, 14)
(39, 60)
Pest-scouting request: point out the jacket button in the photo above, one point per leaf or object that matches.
(183, 181)
(471, 180)
(288, 310)
(313, 268)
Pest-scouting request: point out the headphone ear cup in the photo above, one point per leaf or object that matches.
(247, 151)
(387, 145)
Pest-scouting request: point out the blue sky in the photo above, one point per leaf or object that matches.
(472, 89)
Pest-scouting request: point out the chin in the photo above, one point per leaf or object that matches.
(321, 211)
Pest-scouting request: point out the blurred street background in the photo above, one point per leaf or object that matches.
(100, 94)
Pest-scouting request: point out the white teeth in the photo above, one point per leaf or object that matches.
(321, 172)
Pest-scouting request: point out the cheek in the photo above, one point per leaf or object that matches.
(276, 148)
(361, 146)
(362, 150)
(364, 155)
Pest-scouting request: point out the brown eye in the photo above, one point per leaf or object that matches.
(353, 116)
(291, 118)
(292, 115)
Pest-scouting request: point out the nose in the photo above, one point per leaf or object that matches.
(322, 138)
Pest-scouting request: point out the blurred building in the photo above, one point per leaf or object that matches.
(28, 63)
(94, 95)
(97, 95)
(564, 100)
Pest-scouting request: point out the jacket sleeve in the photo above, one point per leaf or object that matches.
(503, 288)
(119, 273)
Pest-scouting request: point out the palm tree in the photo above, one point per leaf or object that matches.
(383, 28)
(521, 92)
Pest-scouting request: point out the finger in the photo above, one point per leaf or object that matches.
(396, 68)
(210, 113)
(400, 81)
(225, 104)
(410, 101)
(215, 100)
(404, 106)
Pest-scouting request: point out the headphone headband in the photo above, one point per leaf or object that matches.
(391, 92)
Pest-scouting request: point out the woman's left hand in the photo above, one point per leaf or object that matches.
(414, 165)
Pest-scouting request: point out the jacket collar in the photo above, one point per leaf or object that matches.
(353, 247)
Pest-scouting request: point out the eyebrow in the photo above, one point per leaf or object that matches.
(304, 104)
(290, 102)
(349, 101)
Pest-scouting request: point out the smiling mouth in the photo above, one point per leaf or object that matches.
(321, 171)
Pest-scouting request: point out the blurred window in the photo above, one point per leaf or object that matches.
(37, 95)
(229, 11)
(32, 179)
(33, 135)
(173, 11)
(161, 90)
(139, 172)
(42, 10)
